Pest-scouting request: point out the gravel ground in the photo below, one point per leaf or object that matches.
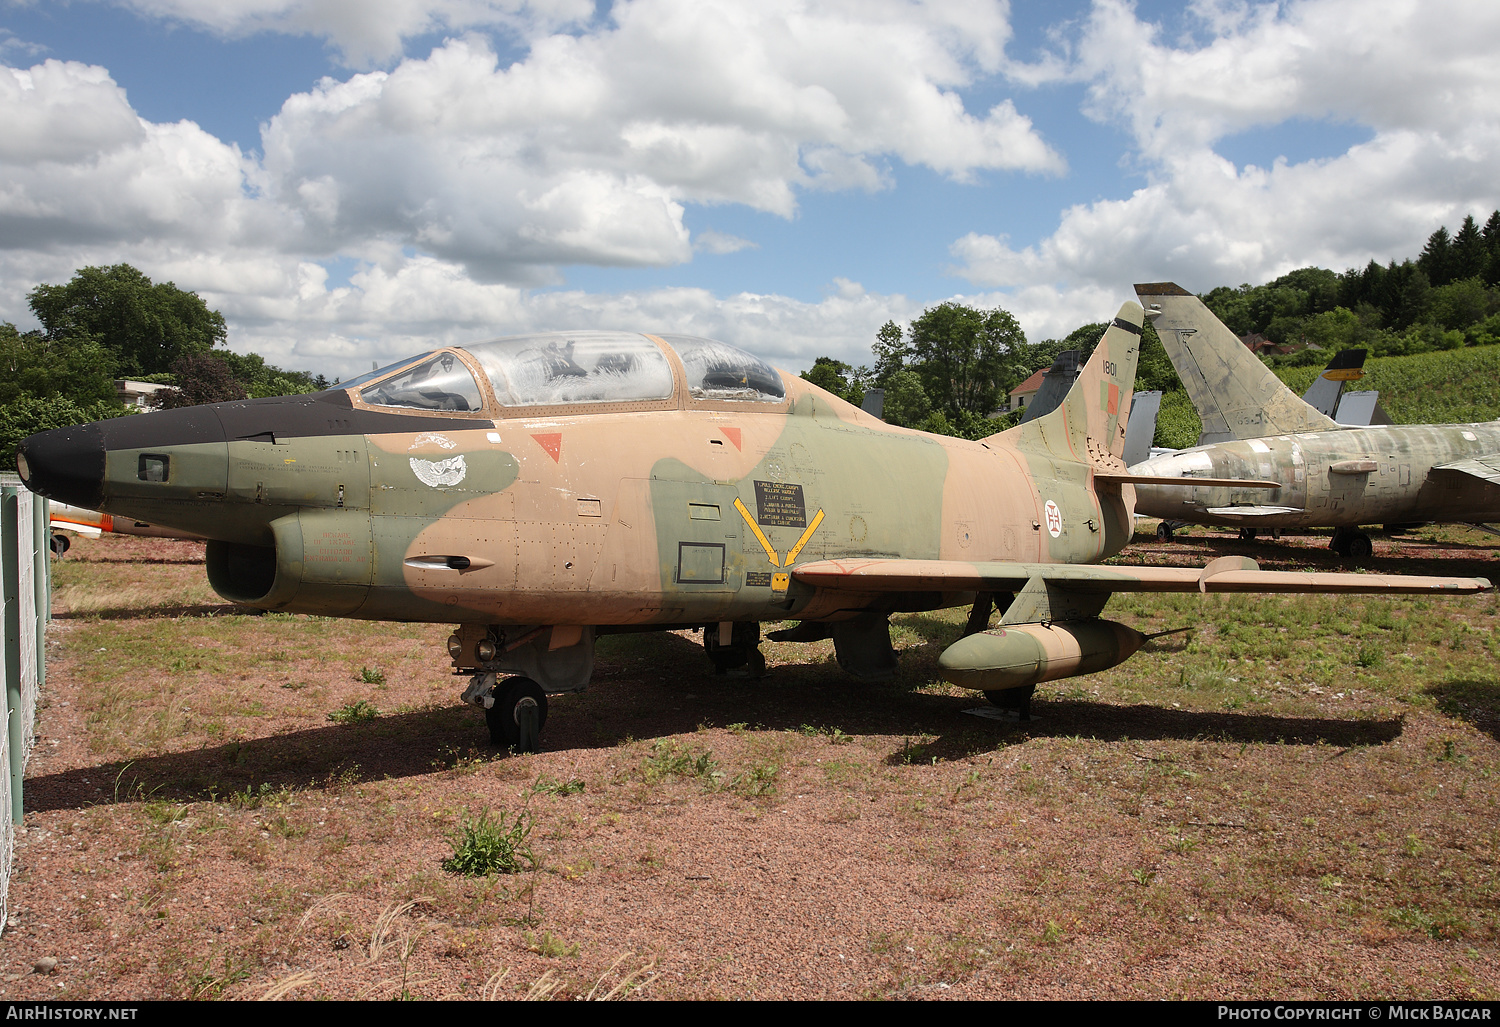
(207, 831)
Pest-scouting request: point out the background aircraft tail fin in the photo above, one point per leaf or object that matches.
(1236, 395)
(1089, 425)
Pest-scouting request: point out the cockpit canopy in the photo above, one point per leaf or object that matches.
(566, 369)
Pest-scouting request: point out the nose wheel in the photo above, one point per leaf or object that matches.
(518, 715)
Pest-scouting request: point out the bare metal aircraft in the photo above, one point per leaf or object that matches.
(539, 491)
(1329, 475)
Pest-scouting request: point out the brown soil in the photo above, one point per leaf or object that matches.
(207, 831)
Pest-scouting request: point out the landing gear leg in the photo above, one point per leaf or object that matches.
(1018, 699)
(741, 656)
(979, 615)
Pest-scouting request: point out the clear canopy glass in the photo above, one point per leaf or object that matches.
(719, 371)
(576, 367)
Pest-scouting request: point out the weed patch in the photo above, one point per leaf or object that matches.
(484, 846)
(357, 712)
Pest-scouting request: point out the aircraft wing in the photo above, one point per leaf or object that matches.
(1226, 574)
(1485, 467)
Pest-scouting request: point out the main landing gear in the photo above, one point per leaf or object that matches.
(518, 715)
(1351, 543)
(738, 655)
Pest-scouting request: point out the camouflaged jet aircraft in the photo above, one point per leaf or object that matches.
(1329, 475)
(540, 491)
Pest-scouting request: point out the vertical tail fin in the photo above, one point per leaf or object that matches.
(1089, 425)
(1236, 395)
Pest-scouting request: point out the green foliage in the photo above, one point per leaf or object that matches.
(354, 713)
(1177, 423)
(199, 378)
(372, 675)
(1454, 387)
(549, 945)
(667, 759)
(146, 325)
(545, 785)
(906, 402)
(837, 377)
(260, 379)
(963, 359)
(73, 367)
(27, 415)
(484, 846)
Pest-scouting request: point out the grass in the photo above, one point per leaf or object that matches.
(357, 712)
(1324, 766)
(484, 845)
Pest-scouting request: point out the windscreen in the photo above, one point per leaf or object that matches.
(719, 371)
(576, 367)
(441, 382)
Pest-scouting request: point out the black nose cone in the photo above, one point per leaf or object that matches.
(65, 464)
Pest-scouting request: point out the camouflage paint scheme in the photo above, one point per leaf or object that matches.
(1328, 475)
(533, 529)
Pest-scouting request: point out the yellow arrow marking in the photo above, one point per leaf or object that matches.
(765, 543)
(792, 555)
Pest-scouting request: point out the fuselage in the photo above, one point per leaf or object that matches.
(1384, 475)
(687, 505)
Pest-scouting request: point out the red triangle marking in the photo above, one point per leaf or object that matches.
(733, 435)
(552, 443)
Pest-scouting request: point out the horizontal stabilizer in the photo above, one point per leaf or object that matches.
(1226, 574)
(1484, 467)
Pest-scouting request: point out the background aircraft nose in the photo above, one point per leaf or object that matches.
(65, 464)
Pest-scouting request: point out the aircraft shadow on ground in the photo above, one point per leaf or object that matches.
(1416, 558)
(653, 687)
(148, 612)
(1476, 701)
(163, 560)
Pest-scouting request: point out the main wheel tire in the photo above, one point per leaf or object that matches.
(1163, 532)
(60, 544)
(512, 697)
(1358, 547)
(1247, 534)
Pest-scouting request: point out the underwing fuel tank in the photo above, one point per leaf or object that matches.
(1025, 654)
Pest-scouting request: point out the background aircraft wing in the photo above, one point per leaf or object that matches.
(1226, 574)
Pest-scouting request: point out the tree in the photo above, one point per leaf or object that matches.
(27, 415)
(1436, 260)
(906, 402)
(201, 378)
(960, 354)
(1470, 257)
(836, 377)
(75, 368)
(147, 326)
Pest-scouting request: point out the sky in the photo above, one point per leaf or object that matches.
(349, 183)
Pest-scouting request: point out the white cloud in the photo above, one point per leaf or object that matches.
(369, 31)
(383, 315)
(1420, 76)
(719, 243)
